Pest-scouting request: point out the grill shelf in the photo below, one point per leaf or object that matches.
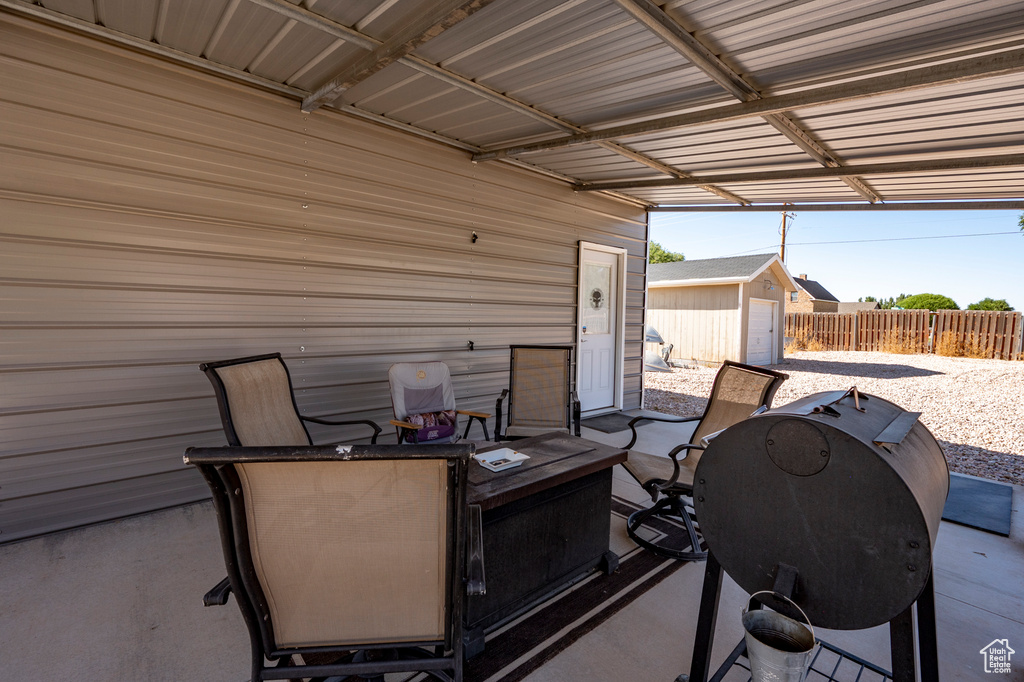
(830, 664)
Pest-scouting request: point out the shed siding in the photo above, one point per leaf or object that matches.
(153, 218)
(702, 322)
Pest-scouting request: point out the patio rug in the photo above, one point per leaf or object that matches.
(613, 422)
(518, 650)
(981, 504)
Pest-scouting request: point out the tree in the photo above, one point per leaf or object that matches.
(884, 303)
(660, 255)
(1021, 222)
(930, 301)
(991, 304)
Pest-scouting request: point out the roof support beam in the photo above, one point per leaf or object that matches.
(949, 73)
(686, 44)
(892, 168)
(902, 206)
(430, 24)
(425, 67)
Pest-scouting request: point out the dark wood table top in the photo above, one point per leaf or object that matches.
(555, 458)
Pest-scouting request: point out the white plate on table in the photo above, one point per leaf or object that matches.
(501, 459)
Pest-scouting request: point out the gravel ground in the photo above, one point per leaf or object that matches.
(975, 408)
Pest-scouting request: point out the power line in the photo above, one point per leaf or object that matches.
(888, 239)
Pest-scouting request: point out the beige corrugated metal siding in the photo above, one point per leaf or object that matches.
(154, 218)
(701, 322)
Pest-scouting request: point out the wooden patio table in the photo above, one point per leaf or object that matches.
(546, 525)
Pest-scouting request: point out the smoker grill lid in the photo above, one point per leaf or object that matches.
(852, 499)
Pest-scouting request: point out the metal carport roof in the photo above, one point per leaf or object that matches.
(698, 104)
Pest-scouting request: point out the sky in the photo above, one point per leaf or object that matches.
(854, 254)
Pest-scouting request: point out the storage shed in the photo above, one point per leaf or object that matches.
(721, 308)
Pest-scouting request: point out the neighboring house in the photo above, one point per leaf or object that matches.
(853, 306)
(810, 297)
(721, 308)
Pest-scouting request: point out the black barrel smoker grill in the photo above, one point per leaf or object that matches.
(833, 500)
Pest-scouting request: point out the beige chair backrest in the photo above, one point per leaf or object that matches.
(349, 551)
(259, 397)
(540, 390)
(738, 391)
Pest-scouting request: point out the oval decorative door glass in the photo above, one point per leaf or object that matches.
(597, 282)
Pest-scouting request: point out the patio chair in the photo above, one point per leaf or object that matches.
(540, 395)
(257, 404)
(738, 392)
(423, 401)
(357, 559)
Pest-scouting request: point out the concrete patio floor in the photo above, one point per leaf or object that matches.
(123, 601)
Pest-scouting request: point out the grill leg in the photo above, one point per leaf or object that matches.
(700, 665)
(901, 643)
(927, 642)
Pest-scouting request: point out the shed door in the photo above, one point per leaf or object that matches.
(761, 333)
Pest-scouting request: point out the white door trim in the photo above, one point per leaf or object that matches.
(620, 326)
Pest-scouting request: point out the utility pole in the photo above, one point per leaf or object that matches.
(783, 229)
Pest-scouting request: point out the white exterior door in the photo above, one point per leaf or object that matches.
(761, 333)
(600, 322)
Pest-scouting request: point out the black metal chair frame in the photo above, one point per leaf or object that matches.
(464, 544)
(209, 368)
(573, 410)
(670, 491)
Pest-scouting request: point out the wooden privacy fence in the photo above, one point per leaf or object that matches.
(905, 331)
(976, 333)
(834, 331)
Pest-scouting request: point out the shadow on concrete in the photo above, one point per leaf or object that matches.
(855, 369)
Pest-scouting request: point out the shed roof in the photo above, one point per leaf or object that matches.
(710, 271)
(709, 268)
(727, 104)
(815, 290)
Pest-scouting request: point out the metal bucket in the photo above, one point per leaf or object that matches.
(779, 648)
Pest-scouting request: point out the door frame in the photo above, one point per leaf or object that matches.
(774, 330)
(620, 321)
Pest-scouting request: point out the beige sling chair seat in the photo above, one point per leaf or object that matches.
(541, 396)
(738, 392)
(257, 404)
(347, 560)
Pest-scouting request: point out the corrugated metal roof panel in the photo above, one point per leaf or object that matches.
(177, 29)
(594, 65)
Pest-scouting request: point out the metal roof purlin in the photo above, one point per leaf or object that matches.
(338, 30)
(1009, 205)
(416, 32)
(322, 23)
(946, 73)
(894, 168)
